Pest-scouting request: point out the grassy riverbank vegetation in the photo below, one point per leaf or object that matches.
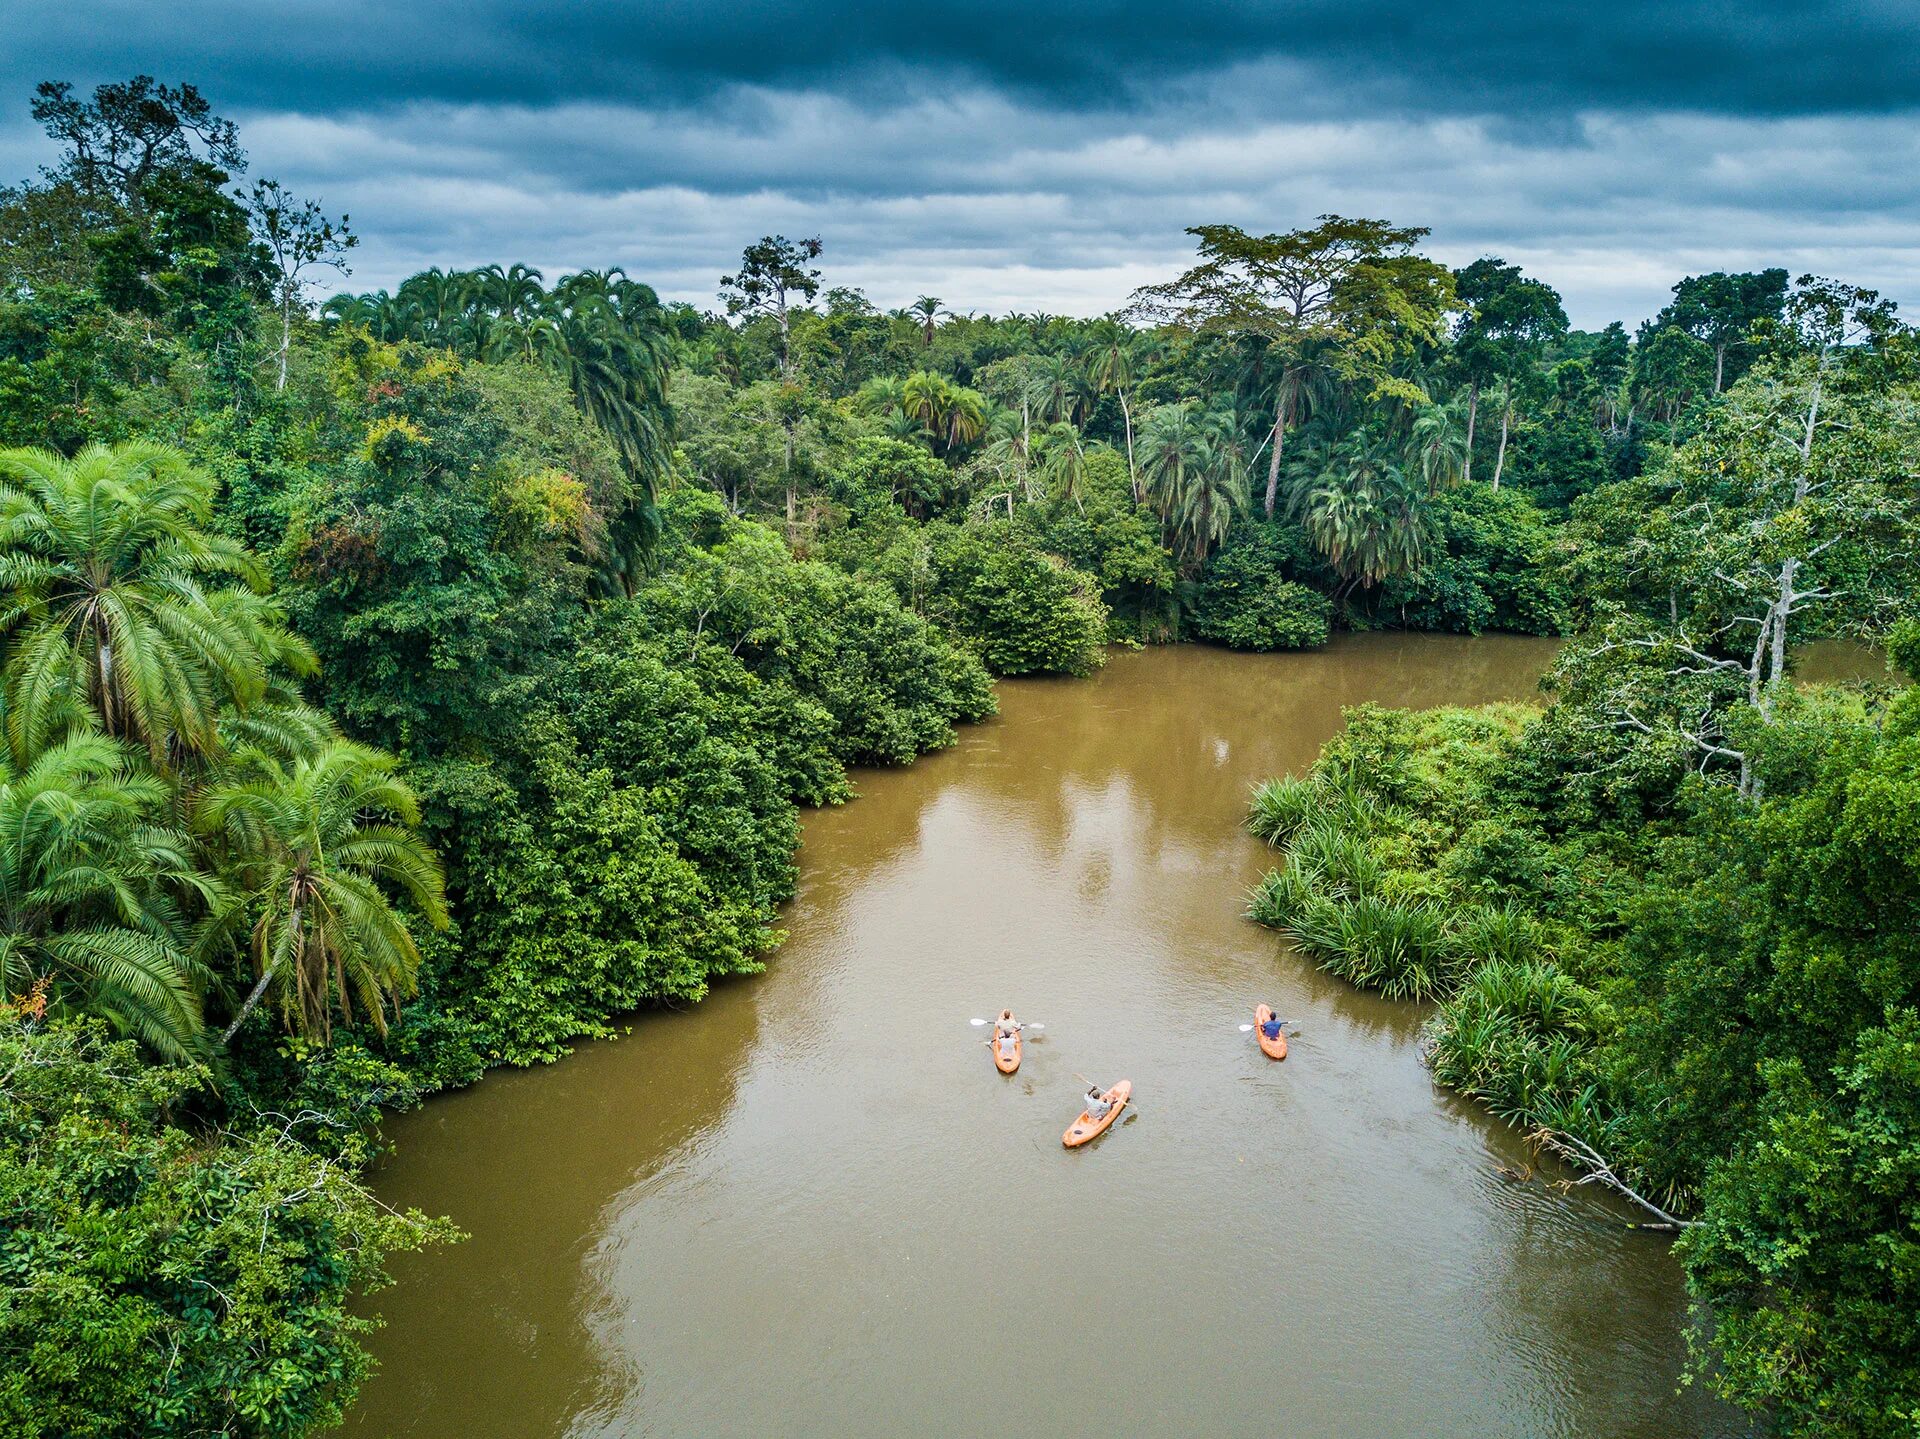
(419, 681)
(1670, 918)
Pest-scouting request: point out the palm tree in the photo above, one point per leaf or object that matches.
(1008, 453)
(1196, 476)
(1062, 461)
(924, 395)
(1117, 357)
(1057, 385)
(442, 300)
(1437, 447)
(317, 843)
(513, 293)
(117, 599)
(899, 425)
(966, 417)
(927, 307)
(85, 907)
(347, 308)
(1362, 515)
(881, 394)
(1303, 382)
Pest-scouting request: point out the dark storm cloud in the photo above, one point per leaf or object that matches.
(1008, 155)
(1305, 55)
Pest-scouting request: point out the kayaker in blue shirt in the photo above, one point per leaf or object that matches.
(1273, 1026)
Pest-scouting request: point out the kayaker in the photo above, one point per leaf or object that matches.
(1097, 1105)
(1273, 1025)
(1006, 1024)
(1006, 1041)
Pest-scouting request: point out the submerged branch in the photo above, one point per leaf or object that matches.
(1577, 1151)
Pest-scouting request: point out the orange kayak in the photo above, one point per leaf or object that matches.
(1084, 1129)
(1002, 1061)
(1275, 1048)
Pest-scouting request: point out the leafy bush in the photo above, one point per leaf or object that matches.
(1026, 612)
(1245, 601)
(1490, 570)
(167, 1281)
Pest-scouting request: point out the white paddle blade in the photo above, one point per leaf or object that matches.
(1035, 1026)
(976, 1023)
(1246, 1029)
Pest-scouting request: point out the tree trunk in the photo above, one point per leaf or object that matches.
(253, 998)
(1783, 610)
(286, 337)
(787, 475)
(1500, 458)
(1279, 440)
(1719, 366)
(1473, 413)
(1133, 474)
(1806, 437)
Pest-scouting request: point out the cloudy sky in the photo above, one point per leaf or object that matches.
(1005, 154)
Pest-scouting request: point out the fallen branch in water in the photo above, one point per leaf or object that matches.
(1577, 1151)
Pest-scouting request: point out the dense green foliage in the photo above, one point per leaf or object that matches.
(1672, 917)
(162, 1280)
(425, 680)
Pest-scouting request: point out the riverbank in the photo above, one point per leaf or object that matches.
(820, 1155)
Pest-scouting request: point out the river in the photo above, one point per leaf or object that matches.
(811, 1206)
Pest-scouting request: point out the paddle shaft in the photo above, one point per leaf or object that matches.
(1103, 1092)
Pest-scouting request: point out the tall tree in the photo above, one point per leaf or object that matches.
(1354, 285)
(1508, 321)
(927, 307)
(1608, 364)
(298, 238)
(771, 272)
(117, 143)
(1669, 370)
(1720, 310)
(1437, 447)
(1113, 364)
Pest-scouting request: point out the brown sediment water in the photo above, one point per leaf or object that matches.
(810, 1205)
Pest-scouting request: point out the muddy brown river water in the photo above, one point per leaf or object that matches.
(810, 1206)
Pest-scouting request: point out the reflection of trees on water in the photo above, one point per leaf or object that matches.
(1191, 729)
(1178, 735)
(1128, 789)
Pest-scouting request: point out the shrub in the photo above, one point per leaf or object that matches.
(1281, 806)
(162, 1280)
(1245, 601)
